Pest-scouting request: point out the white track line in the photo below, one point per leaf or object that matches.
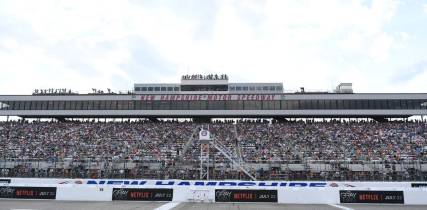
(341, 207)
(23, 209)
(168, 206)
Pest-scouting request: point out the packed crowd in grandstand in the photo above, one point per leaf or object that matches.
(63, 147)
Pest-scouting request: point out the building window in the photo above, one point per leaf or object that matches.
(3, 105)
(194, 105)
(61, 105)
(44, 105)
(270, 105)
(233, 105)
(333, 104)
(176, 89)
(156, 88)
(144, 89)
(137, 89)
(150, 88)
(182, 105)
(216, 105)
(163, 88)
(245, 88)
(170, 88)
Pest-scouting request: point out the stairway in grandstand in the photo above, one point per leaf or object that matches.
(188, 144)
(234, 154)
(231, 157)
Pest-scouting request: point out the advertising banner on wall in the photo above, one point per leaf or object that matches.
(228, 195)
(28, 192)
(361, 196)
(142, 194)
(419, 185)
(5, 181)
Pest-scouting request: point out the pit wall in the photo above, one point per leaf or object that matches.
(298, 192)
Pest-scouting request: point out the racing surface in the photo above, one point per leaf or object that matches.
(249, 206)
(256, 206)
(132, 205)
(384, 206)
(77, 205)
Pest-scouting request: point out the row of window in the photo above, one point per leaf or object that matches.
(211, 88)
(213, 105)
(204, 87)
(256, 88)
(157, 89)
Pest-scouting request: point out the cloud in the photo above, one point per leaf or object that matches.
(83, 44)
(25, 68)
(406, 75)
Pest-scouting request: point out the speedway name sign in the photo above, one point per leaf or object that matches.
(205, 183)
(170, 183)
(210, 97)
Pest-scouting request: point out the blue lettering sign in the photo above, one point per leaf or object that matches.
(207, 183)
(263, 184)
(168, 183)
(317, 184)
(247, 184)
(227, 183)
(184, 184)
(298, 184)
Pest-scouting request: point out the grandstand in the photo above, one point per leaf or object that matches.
(290, 136)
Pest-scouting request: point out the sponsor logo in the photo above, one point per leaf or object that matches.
(223, 195)
(5, 181)
(28, 192)
(347, 196)
(333, 184)
(7, 192)
(358, 196)
(71, 182)
(135, 194)
(120, 194)
(418, 185)
(226, 195)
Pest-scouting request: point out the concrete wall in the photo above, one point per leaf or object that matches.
(300, 193)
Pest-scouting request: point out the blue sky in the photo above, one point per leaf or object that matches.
(378, 45)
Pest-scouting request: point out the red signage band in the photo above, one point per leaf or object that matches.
(211, 97)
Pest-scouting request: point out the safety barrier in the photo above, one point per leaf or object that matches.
(215, 191)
